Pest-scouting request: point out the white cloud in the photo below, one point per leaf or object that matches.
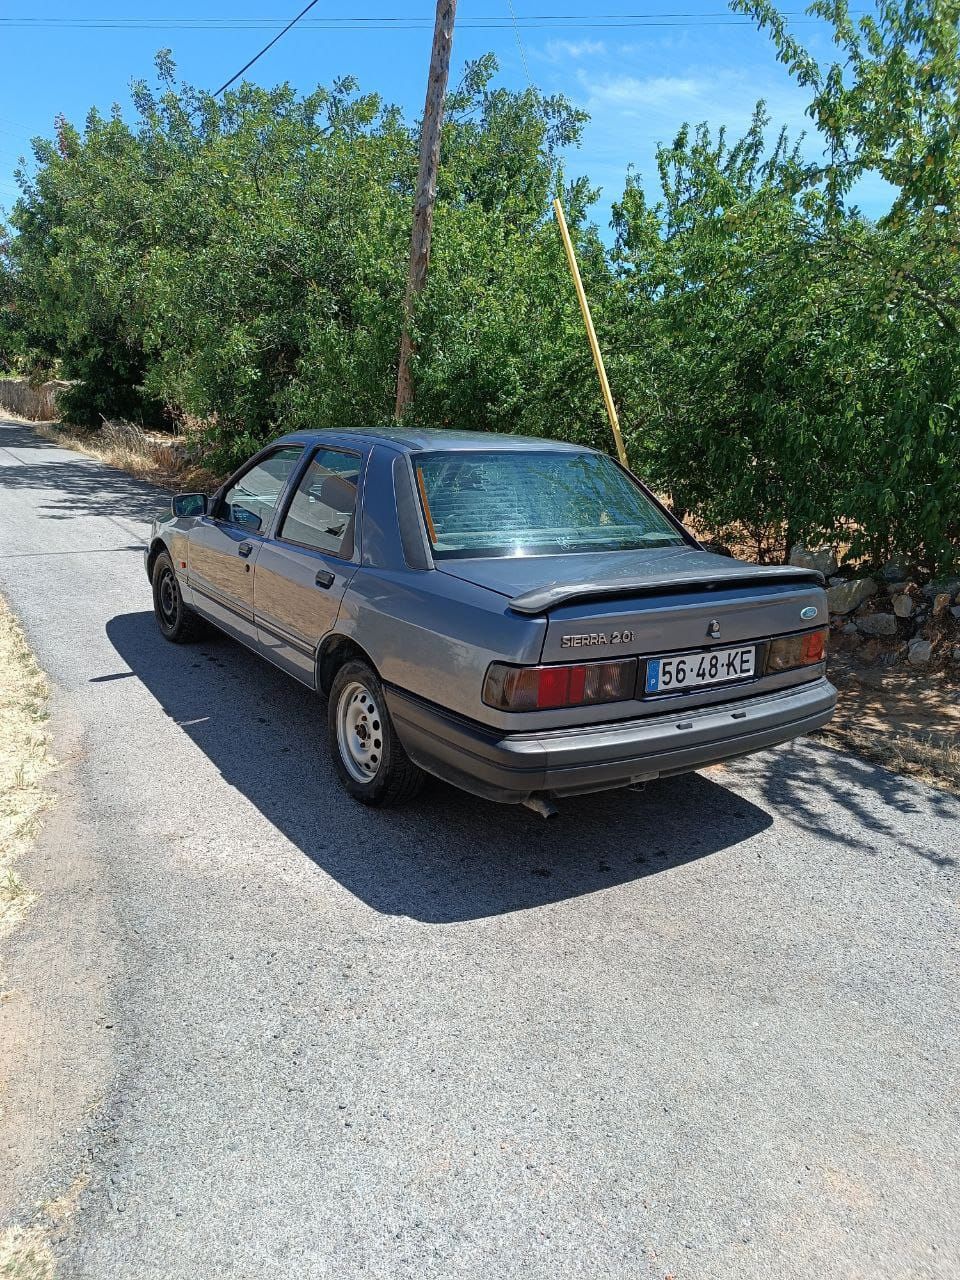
(651, 108)
(576, 49)
(627, 92)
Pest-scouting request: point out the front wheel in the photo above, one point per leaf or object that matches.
(177, 623)
(367, 754)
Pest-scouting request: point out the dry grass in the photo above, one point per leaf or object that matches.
(146, 455)
(24, 762)
(25, 1254)
(923, 756)
(908, 721)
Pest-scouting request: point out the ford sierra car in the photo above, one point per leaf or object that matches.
(520, 617)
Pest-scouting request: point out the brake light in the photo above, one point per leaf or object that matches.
(814, 647)
(545, 688)
(804, 650)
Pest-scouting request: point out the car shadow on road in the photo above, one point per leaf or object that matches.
(447, 856)
(83, 486)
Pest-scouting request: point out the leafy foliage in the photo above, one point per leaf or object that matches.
(784, 366)
(798, 385)
(244, 261)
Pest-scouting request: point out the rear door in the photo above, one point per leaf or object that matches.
(303, 570)
(224, 546)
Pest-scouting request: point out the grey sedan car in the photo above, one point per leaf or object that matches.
(520, 617)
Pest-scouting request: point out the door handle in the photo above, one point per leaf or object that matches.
(244, 549)
(325, 578)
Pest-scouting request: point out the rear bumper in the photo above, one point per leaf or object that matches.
(512, 766)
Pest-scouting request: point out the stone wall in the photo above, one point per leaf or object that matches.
(889, 617)
(39, 404)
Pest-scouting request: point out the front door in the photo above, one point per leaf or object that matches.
(224, 546)
(303, 571)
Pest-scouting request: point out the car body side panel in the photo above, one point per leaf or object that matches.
(381, 544)
(297, 594)
(221, 578)
(173, 532)
(298, 589)
(434, 636)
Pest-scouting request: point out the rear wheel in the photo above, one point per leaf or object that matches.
(367, 754)
(176, 621)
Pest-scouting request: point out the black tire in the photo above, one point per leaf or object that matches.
(367, 755)
(177, 623)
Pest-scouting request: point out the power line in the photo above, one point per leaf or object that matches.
(573, 21)
(292, 23)
(523, 52)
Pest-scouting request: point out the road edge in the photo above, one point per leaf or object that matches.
(54, 1065)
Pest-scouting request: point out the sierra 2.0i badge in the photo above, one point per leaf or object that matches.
(596, 637)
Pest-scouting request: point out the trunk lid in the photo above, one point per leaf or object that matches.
(656, 601)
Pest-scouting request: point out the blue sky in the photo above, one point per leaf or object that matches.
(640, 67)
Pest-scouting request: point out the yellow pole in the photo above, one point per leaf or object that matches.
(591, 332)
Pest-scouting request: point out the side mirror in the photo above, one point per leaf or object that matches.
(187, 505)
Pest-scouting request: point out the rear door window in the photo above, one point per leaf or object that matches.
(322, 512)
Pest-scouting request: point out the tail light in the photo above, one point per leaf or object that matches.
(544, 688)
(804, 650)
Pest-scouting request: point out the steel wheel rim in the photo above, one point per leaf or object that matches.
(359, 732)
(167, 598)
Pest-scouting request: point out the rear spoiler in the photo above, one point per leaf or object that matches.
(543, 599)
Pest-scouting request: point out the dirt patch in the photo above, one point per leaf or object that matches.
(24, 763)
(57, 932)
(906, 720)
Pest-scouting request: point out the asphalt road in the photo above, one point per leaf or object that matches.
(707, 1031)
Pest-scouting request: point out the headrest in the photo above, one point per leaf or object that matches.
(339, 493)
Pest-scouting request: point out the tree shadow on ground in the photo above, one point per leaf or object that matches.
(802, 778)
(83, 486)
(446, 857)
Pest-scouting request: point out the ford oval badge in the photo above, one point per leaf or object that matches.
(809, 612)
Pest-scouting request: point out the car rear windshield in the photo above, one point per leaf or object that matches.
(535, 503)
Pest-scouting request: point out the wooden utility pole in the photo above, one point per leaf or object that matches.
(426, 188)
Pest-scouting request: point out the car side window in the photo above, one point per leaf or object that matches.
(250, 501)
(322, 512)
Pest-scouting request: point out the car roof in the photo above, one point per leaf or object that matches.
(427, 439)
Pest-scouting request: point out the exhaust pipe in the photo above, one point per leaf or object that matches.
(541, 803)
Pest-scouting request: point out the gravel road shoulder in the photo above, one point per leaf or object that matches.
(53, 1063)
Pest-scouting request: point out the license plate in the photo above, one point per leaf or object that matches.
(691, 670)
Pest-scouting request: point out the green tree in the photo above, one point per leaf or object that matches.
(890, 106)
(243, 261)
